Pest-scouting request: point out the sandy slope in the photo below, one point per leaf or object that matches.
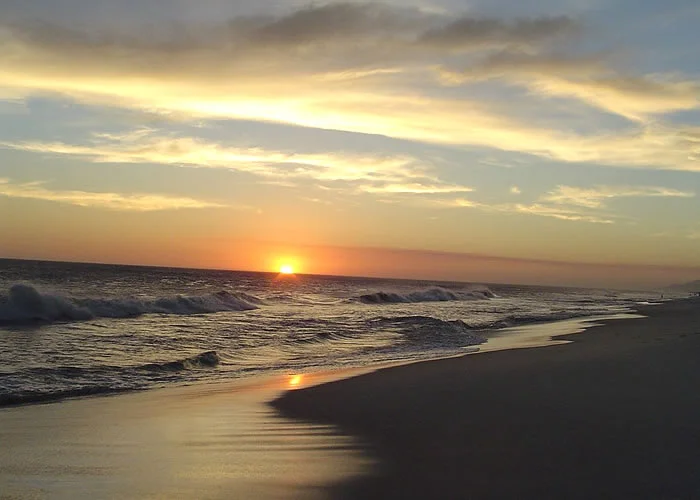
(615, 414)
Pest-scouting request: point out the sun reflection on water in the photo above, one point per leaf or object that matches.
(295, 381)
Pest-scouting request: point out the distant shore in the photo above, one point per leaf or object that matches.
(613, 414)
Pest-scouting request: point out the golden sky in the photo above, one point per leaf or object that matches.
(540, 142)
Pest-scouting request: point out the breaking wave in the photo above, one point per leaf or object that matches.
(52, 384)
(432, 331)
(25, 304)
(29, 396)
(209, 359)
(514, 320)
(429, 295)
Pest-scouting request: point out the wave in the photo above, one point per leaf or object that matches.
(435, 294)
(209, 359)
(532, 318)
(61, 382)
(434, 332)
(28, 397)
(25, 304)
(431, 331)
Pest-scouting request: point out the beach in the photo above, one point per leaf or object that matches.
(214, 441)
(349, 249)
(614, 413)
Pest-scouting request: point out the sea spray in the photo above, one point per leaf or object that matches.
(25, 304)
(434, 294)
(91, 329)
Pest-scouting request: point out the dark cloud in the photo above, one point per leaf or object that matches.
(332, 38)
(337, 21)
(468, 32)
(360, 68)
(410, 29)
(541, 63)
(592, 78)
(517, 64)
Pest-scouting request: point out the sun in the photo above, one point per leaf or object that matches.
(286, 269)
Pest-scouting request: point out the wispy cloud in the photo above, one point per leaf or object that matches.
(597, 196)
(591, 79)
(138, 202)
(536, 209)
(684, 233)
(570, 203)
(469, 33)
(557, 213)
(368, 68)
(191, 151)
(416, 188)
(368, 173)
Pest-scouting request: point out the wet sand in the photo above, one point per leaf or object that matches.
(213, 441)
(613, 413)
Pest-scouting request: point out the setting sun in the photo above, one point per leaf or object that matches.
(286, 269)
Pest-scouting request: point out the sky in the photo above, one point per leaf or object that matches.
(544, 142)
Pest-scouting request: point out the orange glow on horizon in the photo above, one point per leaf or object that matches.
(285, 262)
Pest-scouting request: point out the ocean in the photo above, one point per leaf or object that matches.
(69, 329)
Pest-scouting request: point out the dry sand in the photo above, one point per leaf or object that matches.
(613, 414)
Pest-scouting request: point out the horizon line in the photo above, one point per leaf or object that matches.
(399, 278)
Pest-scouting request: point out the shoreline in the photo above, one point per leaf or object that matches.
(216, 441)
(612, 413)
(532, 335)
(249, 436)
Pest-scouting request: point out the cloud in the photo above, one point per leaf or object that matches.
(690, 234)
(137, 202)
(416, 189)
(537, 209)
(365, 68)
(589, 78)
(570, 203)
(508, 63)
(312, 29)
(313, 35)
(468, 32)
(381, 175)
(631, 97)
(388, 174)
(596, 197)
(192, 151)
(335, 22)
(656, 145)
(557, 213)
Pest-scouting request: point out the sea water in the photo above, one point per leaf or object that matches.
(71, 329)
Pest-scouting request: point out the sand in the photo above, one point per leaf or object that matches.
(206, 441)
(612, 413)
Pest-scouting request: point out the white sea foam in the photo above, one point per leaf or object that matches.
(24, 303)
(306, 324)
(73, 381)
(435, 294)
(429, 331)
